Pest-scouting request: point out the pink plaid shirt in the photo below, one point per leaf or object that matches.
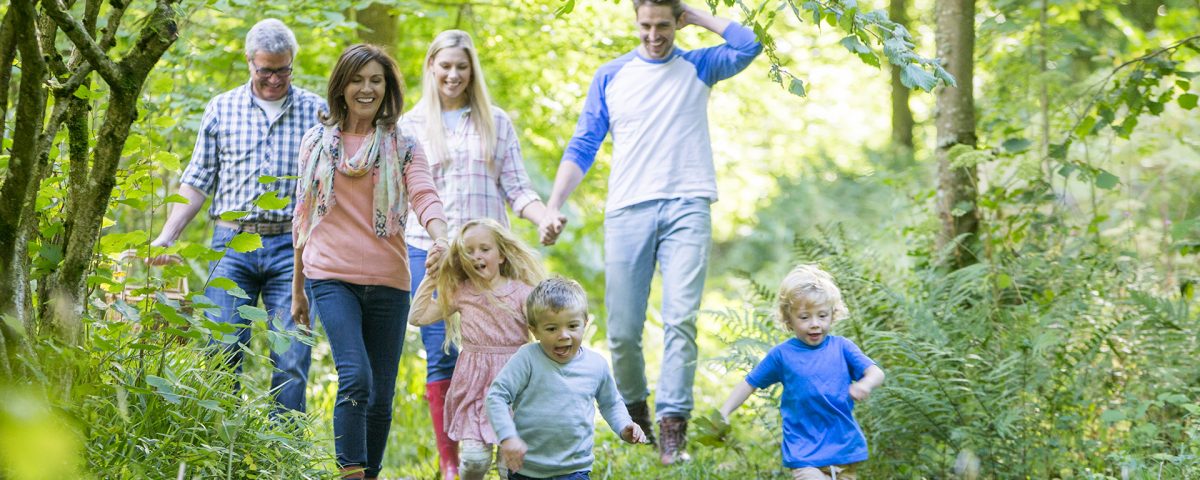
(467, 188)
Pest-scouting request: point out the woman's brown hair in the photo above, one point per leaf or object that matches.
(353, 59)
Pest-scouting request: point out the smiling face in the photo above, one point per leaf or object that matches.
(364, 94)
(560, 333)
(810, 322)
(274, 84)
(480, 246)
(452, 74)
(656, 29)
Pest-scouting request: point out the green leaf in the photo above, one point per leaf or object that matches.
(252, 313)
(1112, 416)
(164, 122)
(229, 286)
(211, 405)
(565, 8)
(1188, 101)
(1085, 127)
(176, 198)
(796, 87)
(267, 179)
(1003, 281)
(1107, 180)
(167, 160)
(245, 242)
(271, 201)
(1058, 151)
(1016, 145)
(913, 76)
(854, 45)
(233, 215)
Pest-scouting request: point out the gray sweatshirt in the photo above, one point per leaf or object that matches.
(554, 408)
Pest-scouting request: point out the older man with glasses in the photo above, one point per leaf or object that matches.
(247, 147)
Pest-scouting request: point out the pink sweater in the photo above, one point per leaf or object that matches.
(344, 246)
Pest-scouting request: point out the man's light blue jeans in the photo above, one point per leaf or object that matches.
(677, 235)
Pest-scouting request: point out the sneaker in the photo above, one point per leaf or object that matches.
(640, 412)
(672, 448)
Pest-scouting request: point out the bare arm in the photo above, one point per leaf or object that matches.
(871, 379)
(299, 296)
(695, 16)
(425, 309)
(736, 398)
(179, 218)
(565, 181)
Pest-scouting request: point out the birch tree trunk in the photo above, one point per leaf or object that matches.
(955, 119)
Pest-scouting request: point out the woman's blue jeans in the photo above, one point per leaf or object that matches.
(365, 325)
(439, 364)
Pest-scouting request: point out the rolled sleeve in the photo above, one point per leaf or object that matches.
(514, 180)
(201, 171)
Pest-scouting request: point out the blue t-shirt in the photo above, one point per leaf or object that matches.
(818, 419)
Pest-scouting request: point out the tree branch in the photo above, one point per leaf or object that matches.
(83, 42)
(115, 14)
(159, 32)
(8, 53)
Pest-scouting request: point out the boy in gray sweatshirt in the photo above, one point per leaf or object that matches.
(552, 387)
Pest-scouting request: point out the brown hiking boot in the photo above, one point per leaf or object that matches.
(640, 412)
(672, 446)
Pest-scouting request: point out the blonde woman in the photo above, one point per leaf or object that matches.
(475, 160)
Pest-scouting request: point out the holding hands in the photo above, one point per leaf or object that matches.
(551, 226)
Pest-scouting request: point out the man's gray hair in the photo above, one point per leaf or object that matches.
(555, 295)
(271, 36)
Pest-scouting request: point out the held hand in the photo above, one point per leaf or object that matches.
(551, 226)
(688, 17)
(160, 260)
(633, 434)
(440, 247)
(300, 309)
(859, 392)
(512, 453)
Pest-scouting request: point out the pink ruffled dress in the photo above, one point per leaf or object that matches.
(490, 336)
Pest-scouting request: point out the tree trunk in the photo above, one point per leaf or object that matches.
(956, 193)
(378, 26)
(30, 112)
(902, 117)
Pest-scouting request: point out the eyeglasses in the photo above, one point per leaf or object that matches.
(281, 72)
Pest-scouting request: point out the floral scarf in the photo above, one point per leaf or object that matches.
(380, 155)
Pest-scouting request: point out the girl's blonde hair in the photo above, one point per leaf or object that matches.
(457, 270)
(477, 98)
(809, 285)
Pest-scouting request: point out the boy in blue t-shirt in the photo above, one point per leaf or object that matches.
(822, 375)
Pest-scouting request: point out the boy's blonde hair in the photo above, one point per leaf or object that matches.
(809, 285)
(555, 295)
(521, 264)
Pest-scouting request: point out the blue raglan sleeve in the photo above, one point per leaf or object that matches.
(714, 64)
(768, 372)
(592, 126)
(856, 360)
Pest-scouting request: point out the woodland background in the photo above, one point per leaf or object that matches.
(1019, 250)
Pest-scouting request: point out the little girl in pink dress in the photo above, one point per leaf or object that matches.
(484, 279)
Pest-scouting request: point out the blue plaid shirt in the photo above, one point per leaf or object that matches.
(237, 144)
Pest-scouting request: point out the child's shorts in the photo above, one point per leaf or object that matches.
(832, 472)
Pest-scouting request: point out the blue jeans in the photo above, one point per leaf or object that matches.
(439, 365)
(584, 475)
(365, 325)
(676, 234)
(266, 272)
